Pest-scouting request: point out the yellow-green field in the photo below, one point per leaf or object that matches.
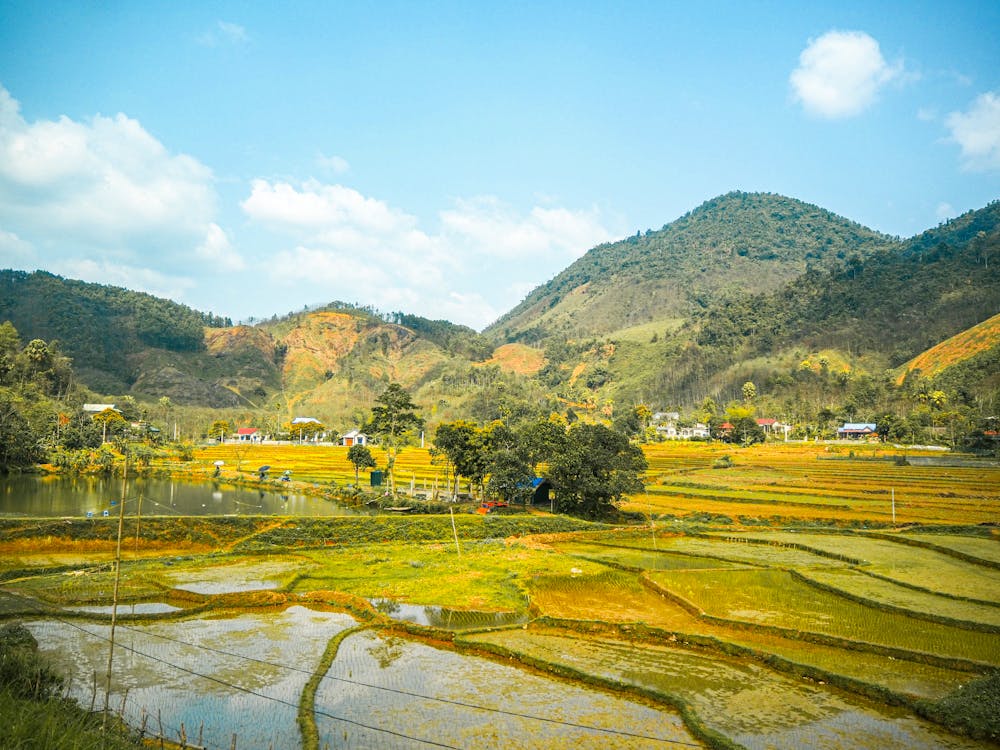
(779, 482)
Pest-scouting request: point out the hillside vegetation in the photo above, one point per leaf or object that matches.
(746, 242)
(811, 308)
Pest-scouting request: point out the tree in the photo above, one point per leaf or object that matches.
(393, 415)
(20, 446)
(304, 430)
(542, 438)
(219, 429)
(593, 469)
(749, 392)
(110, 421)
(361, 457)
(457, 441)
(166, 406)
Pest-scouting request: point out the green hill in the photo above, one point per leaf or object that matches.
(811, 307)
(739, 242)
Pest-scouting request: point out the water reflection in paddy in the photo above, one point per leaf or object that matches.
(185, 671)
(415, 692)
(140, 608)
(245, 675)
(447, 619)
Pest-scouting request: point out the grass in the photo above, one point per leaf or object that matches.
(32, 712)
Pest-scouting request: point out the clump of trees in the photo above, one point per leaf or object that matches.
(590, 466)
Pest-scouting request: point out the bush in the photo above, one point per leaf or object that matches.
(22, 672)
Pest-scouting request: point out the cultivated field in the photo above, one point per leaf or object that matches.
(769, 604)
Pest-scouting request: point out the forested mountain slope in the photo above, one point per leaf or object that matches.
(899, 301)
(106, 330)
(745, 287)
(739, 242)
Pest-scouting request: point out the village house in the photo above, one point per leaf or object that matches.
(774, 427)
(98, 408)
(248, 435)
(857, 430)
(672, 431)
(354, 437)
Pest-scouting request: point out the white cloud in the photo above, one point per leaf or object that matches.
(977, 132)
(13, 250)
(224, 32)
(485, 225)
(218, 252)
(106, 181)
(336, 164)
(353, 247)
(840, 74)
(130, 277)
(944, 211)
(317, 206)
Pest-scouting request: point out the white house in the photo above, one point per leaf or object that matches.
(354, 437)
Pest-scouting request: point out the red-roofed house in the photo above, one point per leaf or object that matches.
(248, 434)
(774, 427)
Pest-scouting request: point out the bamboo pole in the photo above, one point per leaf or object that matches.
(114, 596)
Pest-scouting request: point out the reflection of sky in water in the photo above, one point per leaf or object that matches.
(448, 619)
(230, 579)
(142, 608)
(80, 496)
(159, 674)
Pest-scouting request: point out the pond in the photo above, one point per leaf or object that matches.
(59, 497)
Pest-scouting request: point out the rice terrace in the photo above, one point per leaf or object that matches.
(791, 595)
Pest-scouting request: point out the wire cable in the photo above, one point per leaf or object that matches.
(356, 683)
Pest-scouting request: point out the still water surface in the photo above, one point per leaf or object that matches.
(59, 497)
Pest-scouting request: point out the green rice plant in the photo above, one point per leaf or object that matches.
(722, 698)
(923, 569)
(639, 557)
(857, 585)
(775, 599)
(979, 547)
(732, 548)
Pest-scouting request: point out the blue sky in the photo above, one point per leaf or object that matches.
(249, 159)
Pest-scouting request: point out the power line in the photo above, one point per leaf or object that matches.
(254, 693)
(410, 694)
(356, 683)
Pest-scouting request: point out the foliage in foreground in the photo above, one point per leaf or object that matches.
(32, 712)
(973, 709)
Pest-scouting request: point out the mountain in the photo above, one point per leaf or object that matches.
(108, 331)
(811, 307)
(739, 242)
(870, 305)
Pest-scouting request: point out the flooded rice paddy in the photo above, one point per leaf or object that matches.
(245, 675)
(750, 704)
(611, 639)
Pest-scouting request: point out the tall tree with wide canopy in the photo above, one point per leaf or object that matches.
(393, 415)
(593, 469)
